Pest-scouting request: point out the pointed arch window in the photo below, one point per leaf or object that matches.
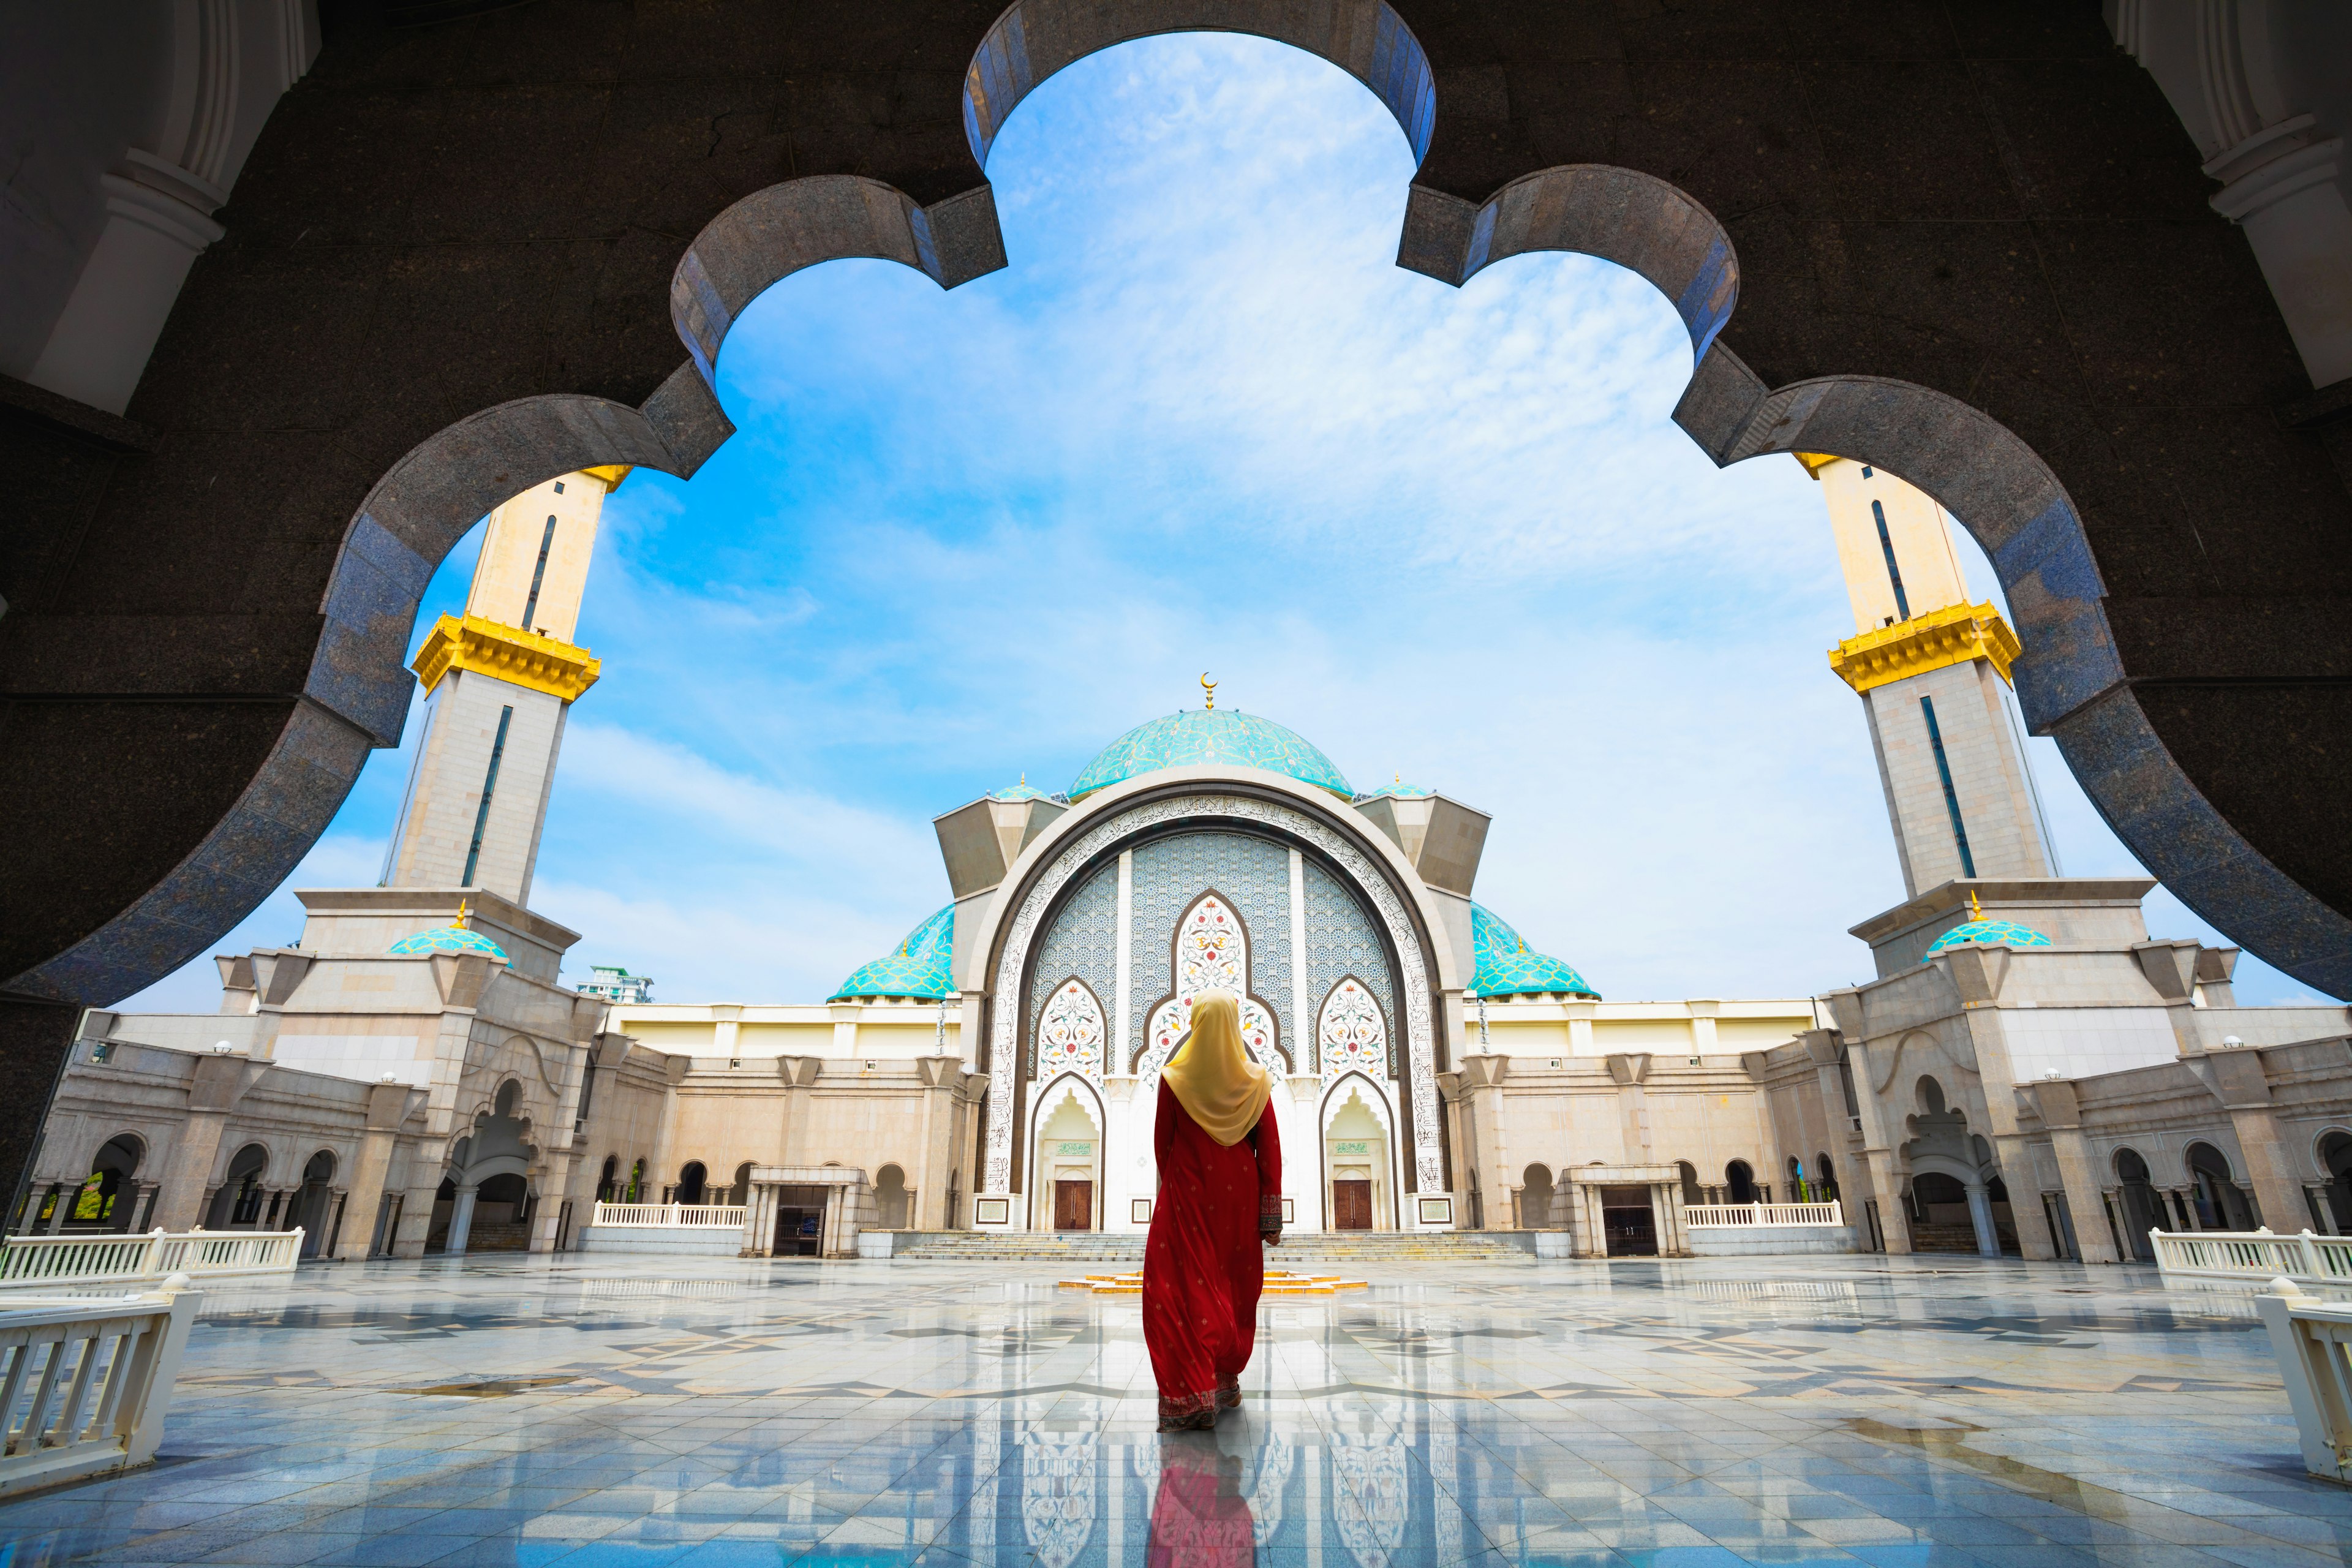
(1070, 1033)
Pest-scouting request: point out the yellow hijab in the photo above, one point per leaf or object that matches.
(1212, 1075)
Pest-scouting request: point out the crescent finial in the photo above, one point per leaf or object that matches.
(1208, 687)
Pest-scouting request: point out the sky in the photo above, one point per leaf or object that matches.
(1204, 423)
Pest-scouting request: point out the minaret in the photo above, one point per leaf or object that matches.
(499, 681)
(1932, 670)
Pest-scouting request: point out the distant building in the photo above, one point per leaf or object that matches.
(615, 984)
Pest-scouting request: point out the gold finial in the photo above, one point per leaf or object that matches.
(1210, 688)
(1975, 910)
(464, 914)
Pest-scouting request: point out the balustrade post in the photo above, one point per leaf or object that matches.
(2310, 1256)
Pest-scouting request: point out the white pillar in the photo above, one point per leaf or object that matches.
(461, 1221)
(1981, 1216)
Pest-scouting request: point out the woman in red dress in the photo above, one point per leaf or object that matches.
(1219, 1196)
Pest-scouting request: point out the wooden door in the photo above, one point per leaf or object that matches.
(1352, 1206)
(1074, 1205)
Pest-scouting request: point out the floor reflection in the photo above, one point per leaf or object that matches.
(1201, 1518)
(1567, 1416)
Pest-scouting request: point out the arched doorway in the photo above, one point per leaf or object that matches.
(2336, 1159)
(608, 1182)
(1357, 1188)
(313, 1204)
(1825, 1177)
(741, 1192)
(2141, 1212)
(2221, 1203)
(891, 1198)
(691, 1183)
(1739, 1181)
(1535, 1198)
(239, 1203)
(1067, 1156)
(105, 1199)
(1692, 1192)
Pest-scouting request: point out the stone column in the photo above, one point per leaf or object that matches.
(800, 1075)
(2245, 1092)
(2078, 1170)
(547, 1214)
(217, 1084)
(2314, 1194)
(1477, 1093)
(760, 1220)
(461, 1220)
(934, 1169)
(1886, 1186)
(1590, 1239)
(1980, 1216)
(1666, 1217)
(387, 1108)
(2017, 1169)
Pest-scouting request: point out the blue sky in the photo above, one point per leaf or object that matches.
(1204, 422)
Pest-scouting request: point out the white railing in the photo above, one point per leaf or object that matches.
(1698, 1215)
(2254, 1254)
(45, 1260)
(2309, 1337)
(84, 1383)
(671, 1214)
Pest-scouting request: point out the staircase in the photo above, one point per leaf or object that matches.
(1362, 1249)
(1943, 1238)
(510, 1235)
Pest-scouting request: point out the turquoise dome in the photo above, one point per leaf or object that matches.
(1508, 967)
(1024, 790)
(449, 938)
(1400, 789)
(1991, 933)
(918, 968)
(1210, 735)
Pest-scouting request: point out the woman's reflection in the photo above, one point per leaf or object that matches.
(1200, 1520)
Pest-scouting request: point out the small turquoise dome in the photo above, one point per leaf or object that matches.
(1024, 790)
(1508, 967)
(449, 938)
(1210, 735)
(1400, 789)
(1991, 933)
(918, 968)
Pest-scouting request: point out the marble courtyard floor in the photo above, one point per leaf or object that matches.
(714, 1413)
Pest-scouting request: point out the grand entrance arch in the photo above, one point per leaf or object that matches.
(1153, 893)
(353, 407)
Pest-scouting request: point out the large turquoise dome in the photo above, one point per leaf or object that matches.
(1508, 966)
(1209, 736)
(918, 968)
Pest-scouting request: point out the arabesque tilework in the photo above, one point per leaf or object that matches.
(1991, 933)
(1944, 1412)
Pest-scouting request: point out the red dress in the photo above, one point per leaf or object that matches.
(1204, 1265)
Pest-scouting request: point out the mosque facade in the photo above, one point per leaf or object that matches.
(2030, 1072)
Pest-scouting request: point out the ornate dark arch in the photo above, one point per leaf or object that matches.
(206, 600)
